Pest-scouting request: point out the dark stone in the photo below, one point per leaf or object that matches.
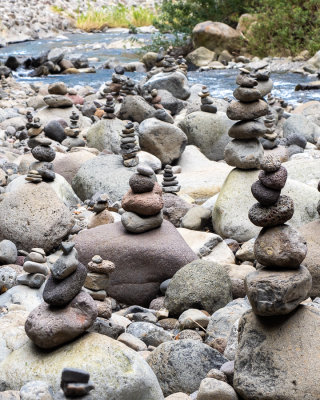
(264, 195)
(141, 184)
(75, 375)
(274, 180)
(12, 63)
(247, 130)
(55, 131)
(42, 153)
(269, 144)
(244, 80)
(107, 328)
(296, 139)
(294, 149)
(142, 261)
(277, 214)
(59, 293)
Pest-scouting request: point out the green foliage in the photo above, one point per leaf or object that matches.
(159, 40)
(114, 17)
(183, 15)
(285, 27)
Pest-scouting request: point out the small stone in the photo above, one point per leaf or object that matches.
(67, 247)
(36, 268)
(96, 281)
(36, 257)
(74, 375)
(104, 267)
(244, 80)
(274, 180)
(132, 342)
(43, 153)
(141, 184)
(97, 259)
(270, 163)
(7, 278)
(244, 154)
(277, 214)
(192, 318)
(77, 389)
(247, 95)
(264, 195)
(211, 388)
(34, 281)
(145, 170)
(96, 295)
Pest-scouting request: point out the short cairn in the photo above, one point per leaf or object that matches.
(245, 150)
(36, 269)
(170, 183)
(75, 383)
(280, 283)
(207, 101)
(109, 108)
(143, 203)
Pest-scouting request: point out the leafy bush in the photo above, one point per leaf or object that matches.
(285, 27)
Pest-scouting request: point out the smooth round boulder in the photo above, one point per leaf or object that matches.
(277, 214)
(280, 246)
(142, 261)
(134, 223)
(244, 154)
(49, 327)
(238, 111)
(274, 292)
(55, 131)
(201, 284)
(118, 372)
(61, 292)
(181, 365)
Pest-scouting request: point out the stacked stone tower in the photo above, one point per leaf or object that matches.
(36, 269)
(207, 101)
(143, 203)
(245, 151)
(129, 146)
(280, 283)
(170, 183)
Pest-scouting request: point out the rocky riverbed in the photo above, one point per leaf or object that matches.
(159, 230)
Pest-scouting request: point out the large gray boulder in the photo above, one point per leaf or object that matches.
(105, 135)
(230, 213)
(267, 367)
(118, 372)
(175, 82)
(300, 125)
(181, 365)
(208, 131)
(201, 284)
(165, 141)
(170, 102)
(103, 173)
(34, 216)
(135, 108)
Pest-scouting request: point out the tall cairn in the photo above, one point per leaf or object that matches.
(245, 150)
(280, 283)
(129, 146)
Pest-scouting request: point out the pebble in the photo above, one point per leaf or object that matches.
(34, 281)
(145, 170)
(264, 195)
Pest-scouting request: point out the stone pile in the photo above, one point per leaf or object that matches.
(75, 383)
(280, 283)
(170, 183)
(207, 101)
(270, 138)
(129, 146)
(128, 88)
(33, 176)
(109, 108)
(169, 64)
(101, 215)
(72, 132)
(143, 203)
(96, 284)
(156, 99)
(36, 269)
(44, 154)
(245, 150)
(182, 65)
(116, 83)
(33, 125)
(67, 311)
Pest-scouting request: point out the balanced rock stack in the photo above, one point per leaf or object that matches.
(96, 284)
(72, 132)
(169, 64)
(75, 383)
(36, 269)
(41, 151)
(269, 140)
(280, 283)
(109, 108)
(101, 213)
(245, 150)
(156, 99)
(207, 101)
(33, 125)
(262, 75)
(143, 203)
(182, 65)
(128, 88)
(129, 146)
(170, 183)
(67, 311)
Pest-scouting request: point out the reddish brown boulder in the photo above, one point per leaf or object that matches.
(142, 261)
(147, 204)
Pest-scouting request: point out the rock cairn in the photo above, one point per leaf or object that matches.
(270, 138)
(169, 64)
(156, 99)
(128, 88)
(182, 65)
(75, 383)
(280, 283)
(129, 146)
(245, 150)
(96, 284)
(207, 101)
(109, 108)
(44, 154)
(170, 183)
(143, 203)
(36, 269)
(72, 132)
(67, 311)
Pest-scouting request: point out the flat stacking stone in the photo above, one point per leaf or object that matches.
(59, 293)
(49, 327)
(280, 246)
(34, 281)
(247, 130)
(141, 183)
(96, 281)
(144, 204)
(103, 267)
(33, 268)
(277, 214)
(74, 375)
(270, 163)
(264, 195)
(244, 154)
(65, 266)
(274, 180)
(247, 111)
(247, 95)
(244, 80)
(36, 257)
(210, 108)
(274, 292)
(137, 224)
(145, 170)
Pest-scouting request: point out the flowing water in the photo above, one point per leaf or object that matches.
(103, 46)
